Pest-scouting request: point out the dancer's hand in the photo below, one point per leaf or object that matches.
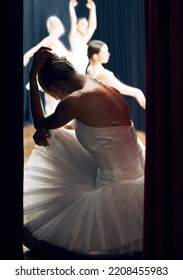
(39, 59)
(73, 3)
(140, 97)
(90, 4)
(41, 137)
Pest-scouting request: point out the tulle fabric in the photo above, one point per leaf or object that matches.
(81, 197)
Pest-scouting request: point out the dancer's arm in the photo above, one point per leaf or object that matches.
(73, 22)
(108, 77)
(92, 20)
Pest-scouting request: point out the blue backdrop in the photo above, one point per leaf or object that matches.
(120, 25)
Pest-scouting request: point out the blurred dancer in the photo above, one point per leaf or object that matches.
(81, 32)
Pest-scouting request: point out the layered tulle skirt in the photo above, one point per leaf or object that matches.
(63, 204)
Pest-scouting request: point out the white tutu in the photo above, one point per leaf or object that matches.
(87, 196)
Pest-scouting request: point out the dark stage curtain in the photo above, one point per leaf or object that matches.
(12, 134)
(120, 25)
(163, 230)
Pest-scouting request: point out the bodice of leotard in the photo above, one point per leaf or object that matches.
(115, 150)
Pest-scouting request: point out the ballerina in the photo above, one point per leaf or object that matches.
(55, 30)
(81, 31)
(98, 54)
(84, 193)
